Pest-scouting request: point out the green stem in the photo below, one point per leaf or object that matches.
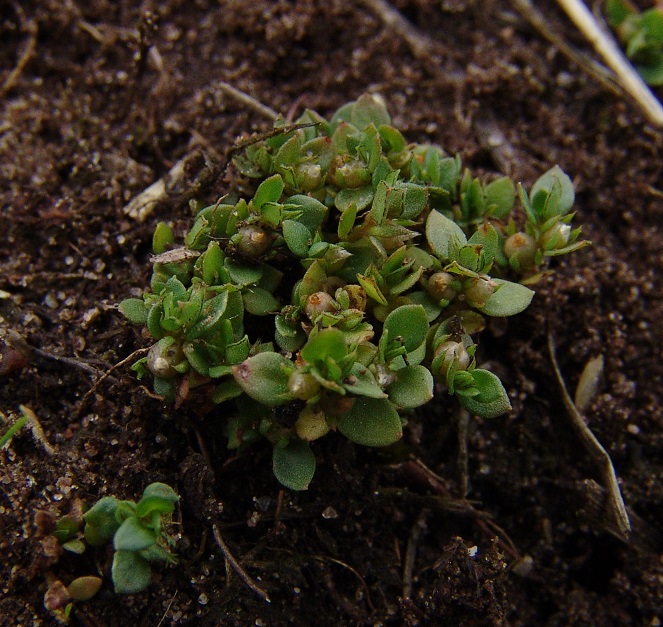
(13, 430)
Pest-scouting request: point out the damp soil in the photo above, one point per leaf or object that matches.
(99, 100)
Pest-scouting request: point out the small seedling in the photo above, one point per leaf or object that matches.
(360, 273)
(138, 531)
(641, 34)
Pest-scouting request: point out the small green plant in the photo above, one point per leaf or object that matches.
(138, 531)
(641, 34)
(358, 274)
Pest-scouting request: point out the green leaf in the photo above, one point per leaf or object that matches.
(415, 201)
(157, 497)
(130, 572)
(226, 391)
(371, 422)
(66, 528)
(84, 588)
(74, 546)
(486, 235)
(369, 110)
(372, 289)
(269, 190)
(409, 323)
(264, 377)
(378, 208)
(162, 238)
(559, 193)
(165, 387)
(312, 211)
(392, 138)
(361, 382)
(432, 309)
(652, 74)
(212, 265)
(294, 464)
(259, 302)
(617, 11)
(133, 536)
(297, 237)
(238, 351)
(508, 300)
(492, 399)
(100, 521)
(289, 153)
(360, 197)
(175, 287)
(412, 388)
(211, 317)
(324, 344)
(500, 197)
(243, 274)
(347, 221)
(443, 235)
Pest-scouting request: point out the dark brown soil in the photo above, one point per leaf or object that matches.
(109, 99)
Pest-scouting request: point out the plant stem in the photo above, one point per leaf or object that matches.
(13, 430)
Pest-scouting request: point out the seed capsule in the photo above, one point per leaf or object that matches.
(253, 240)
(308, 176)
(439, 286)
(520, 249)
(163, 357)
(319, 302)
(454, 352)
(555, 237)
(478, 291)
(303, 385)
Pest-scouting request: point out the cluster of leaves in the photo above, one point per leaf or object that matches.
(356, 276)
(138, 532)
(641, 34)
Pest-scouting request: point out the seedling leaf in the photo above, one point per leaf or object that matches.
(371, 422)
(131, 573)
(294, 464)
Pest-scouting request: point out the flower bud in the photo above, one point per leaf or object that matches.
(163, 357)
(303, 385)
(318, 303)
(439, 286)
(555, 237)
(308, 176)
(478, 291)
(454, 353)
(353, 174)
(520, 249)
(311, 424)
(252, 240)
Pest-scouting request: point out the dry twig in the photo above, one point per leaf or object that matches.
(419, 44)
(247, 100)
(411, 552)
(606, 46)
(26, 55)
(235, 565)
(595, 450)
(138, 353)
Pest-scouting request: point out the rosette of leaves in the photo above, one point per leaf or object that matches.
(641, 34)
(359, 273)
(138, 532)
